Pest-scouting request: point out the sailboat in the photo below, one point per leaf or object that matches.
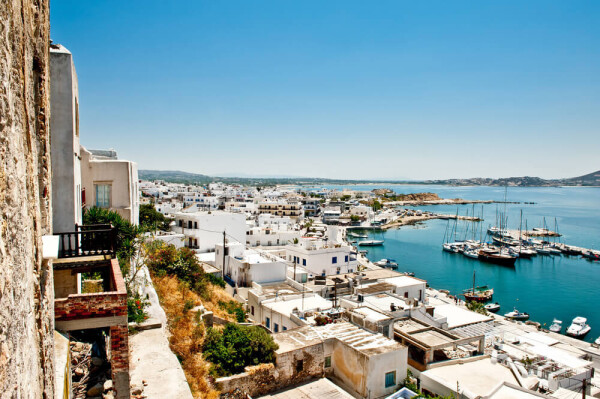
(478, 294)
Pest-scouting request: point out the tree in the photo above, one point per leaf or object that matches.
(355, 218)
(376, 205)
(151, 219)
(127, 242)
(236, 347)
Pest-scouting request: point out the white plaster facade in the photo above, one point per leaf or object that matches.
(64, 141)
(117, 179)
(322, 259)
(245, 266)
(204, 230)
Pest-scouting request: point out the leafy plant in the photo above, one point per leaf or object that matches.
(136, 309)
(234, 308)
(236, 347)
(476, 307)
(151, 219)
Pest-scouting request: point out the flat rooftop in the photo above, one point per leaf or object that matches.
(278, 289)
(408, 326)
(405, 281)
(285, 306)
(364, 341)
(432, 338)
(374, 288)
(384, 301)
(458, 317)
(370, 314)
(321, 388)
(480, 377)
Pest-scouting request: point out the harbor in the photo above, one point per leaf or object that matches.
(546, 287)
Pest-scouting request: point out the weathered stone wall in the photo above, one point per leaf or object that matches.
(26, 294)
(292, 367)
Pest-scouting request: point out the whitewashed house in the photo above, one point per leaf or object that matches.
(204, 230)
(321, 258)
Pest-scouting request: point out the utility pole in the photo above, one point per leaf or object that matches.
(584, 388)
(223, 267)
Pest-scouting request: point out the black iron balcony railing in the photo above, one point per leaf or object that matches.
(90, 240)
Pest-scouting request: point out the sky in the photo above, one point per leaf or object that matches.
(339, 89)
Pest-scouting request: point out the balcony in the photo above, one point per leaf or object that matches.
(88, 240)
(100, 305)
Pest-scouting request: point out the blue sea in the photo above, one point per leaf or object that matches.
(546, 287)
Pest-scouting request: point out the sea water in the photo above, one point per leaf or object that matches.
(546, 287)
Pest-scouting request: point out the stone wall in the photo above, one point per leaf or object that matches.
(26, 294)
(292, 367)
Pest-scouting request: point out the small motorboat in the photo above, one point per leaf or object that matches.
(578, 328)
(363, 252)
(556, 326)
(492, 307)
(391, 263)
(356, 235)
(516, 315)
(597, 341)
(370, 243)
(409, 274)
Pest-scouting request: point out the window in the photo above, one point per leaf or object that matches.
(346, 258)
(195, 225)
(276, 327)
(299, 365)
(327, 361)
(103, 195)
(303, 262)
(334, 260)
(284, 328)
(390, 379)
(252, 310)
(268, 322)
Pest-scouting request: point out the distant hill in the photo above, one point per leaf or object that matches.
(592, 179)
(174, 176)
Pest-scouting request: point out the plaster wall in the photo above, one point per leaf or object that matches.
(65, 152)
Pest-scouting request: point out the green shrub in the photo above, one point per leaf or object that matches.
(234, 308)
(236, 347)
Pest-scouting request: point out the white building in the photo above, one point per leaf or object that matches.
(204, 230)
(111, 183)
(244, 266)
(408, 287)
(331, 216)
(362, 211)
(65, 152)
(321, 258)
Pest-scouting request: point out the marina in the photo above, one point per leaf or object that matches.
(546, 287)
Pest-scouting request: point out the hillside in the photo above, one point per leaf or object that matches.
(591, 179)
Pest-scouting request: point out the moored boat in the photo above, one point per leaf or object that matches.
(370, 243)
(492, 307)
(578, 328)
(516, 315)
(391, 263)
(497, 258)
(556, 326)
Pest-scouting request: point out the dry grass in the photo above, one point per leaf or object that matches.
(187, 335)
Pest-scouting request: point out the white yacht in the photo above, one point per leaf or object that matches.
(578, 328)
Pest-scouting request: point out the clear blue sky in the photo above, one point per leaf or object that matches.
(343, 89)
